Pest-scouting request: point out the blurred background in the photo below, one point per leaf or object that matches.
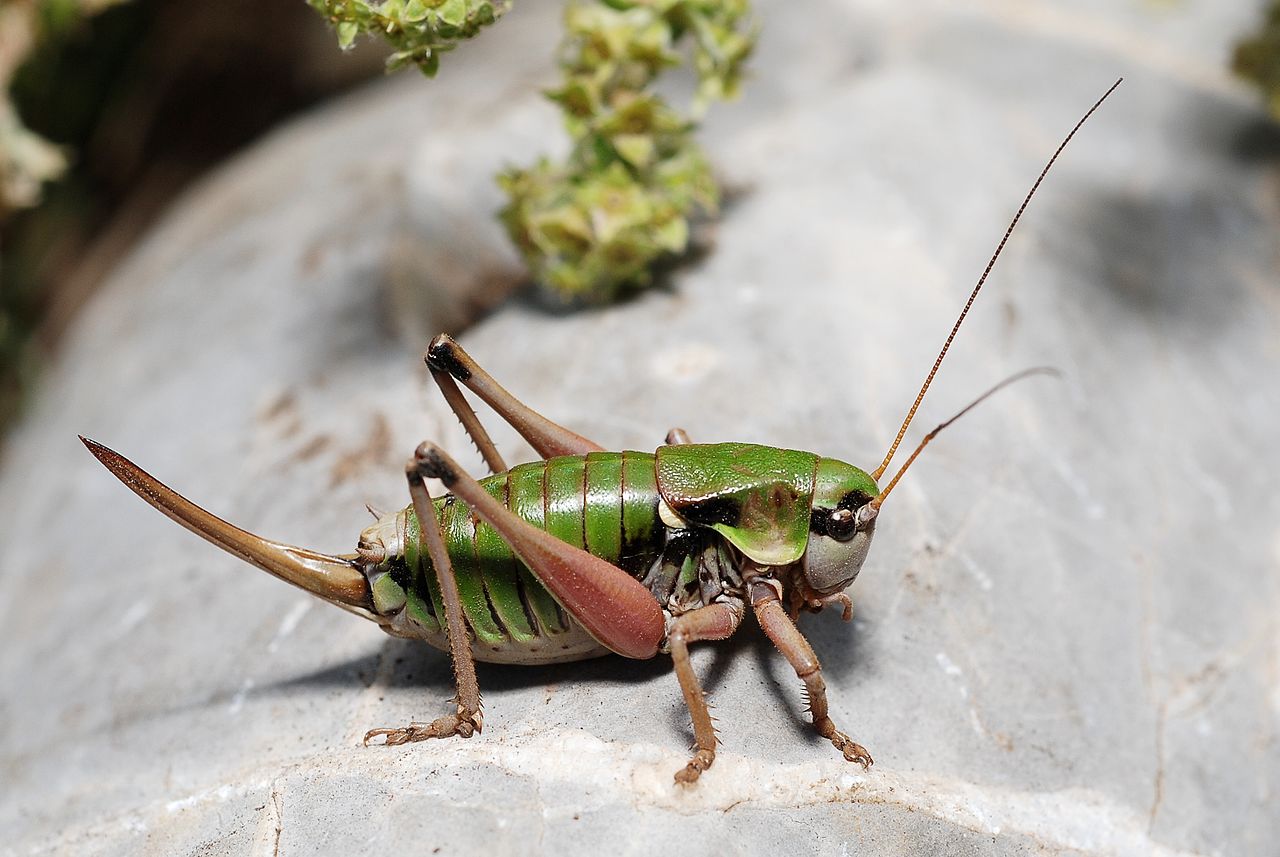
(114, 106)
(1067, 640)
(130, 100)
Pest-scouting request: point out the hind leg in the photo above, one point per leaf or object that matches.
(467, 719)
(449, 363)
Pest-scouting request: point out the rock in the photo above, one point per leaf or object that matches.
(1067, 634)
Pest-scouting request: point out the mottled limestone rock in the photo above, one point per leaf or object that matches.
(1068, 632)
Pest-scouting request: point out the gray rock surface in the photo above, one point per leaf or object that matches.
(1067, 636)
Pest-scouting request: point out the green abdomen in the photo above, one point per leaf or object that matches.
(604, 502)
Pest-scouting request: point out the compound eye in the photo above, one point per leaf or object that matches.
(842, 525)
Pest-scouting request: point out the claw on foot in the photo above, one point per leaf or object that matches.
(700, 762)
(853, 751)
(444, 727)
(840, 599)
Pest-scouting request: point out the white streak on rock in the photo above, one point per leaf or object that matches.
(573, 768)
(1091, 506)
(237, 701)
(983, 579)
(217, 794)
(289, 623)
(1219, 495)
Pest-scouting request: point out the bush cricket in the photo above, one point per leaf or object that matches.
(586, 552)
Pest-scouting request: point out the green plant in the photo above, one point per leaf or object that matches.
(418, 31)
(27, 160)
(592, 227)
(1258, 58)
(31, 32)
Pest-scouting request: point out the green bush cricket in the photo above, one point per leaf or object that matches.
(587, 552)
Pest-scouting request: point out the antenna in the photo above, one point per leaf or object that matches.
(1039, 370)
(879, 471)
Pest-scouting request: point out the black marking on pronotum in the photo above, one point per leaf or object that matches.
(711, 510)
(440, 357)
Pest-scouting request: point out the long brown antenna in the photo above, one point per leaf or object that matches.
(983, 279)
(1039, 370)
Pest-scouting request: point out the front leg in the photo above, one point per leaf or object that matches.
(796, 649)
(467, 720)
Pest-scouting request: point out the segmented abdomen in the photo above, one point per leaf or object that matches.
(605, 502)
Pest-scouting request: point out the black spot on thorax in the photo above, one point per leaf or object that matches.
(712, 510)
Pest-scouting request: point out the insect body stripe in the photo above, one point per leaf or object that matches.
(564, 499)
(606, 502)
(458, 527)
(642, 531)
(524, 497)
(602, 504)
(499, 570)
(422, 596)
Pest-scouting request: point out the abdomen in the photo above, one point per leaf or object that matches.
(604, 502)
